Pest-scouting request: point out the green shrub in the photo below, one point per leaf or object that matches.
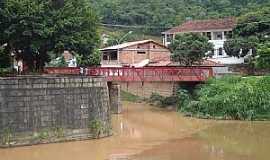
(5, 71)
(126, 96)
(6, 136)
(156, 99)
(169, 101)
(96, 127)
(183, 97)
(246, 98)
(161, 101)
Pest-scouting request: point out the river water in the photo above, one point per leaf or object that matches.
(143, 132)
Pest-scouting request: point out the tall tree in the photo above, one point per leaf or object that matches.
(190, 48)
(251, 34)
(33, 28)
(4, 58)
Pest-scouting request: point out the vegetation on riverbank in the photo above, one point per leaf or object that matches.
(155, 99)
(237, 98)
(162, 101)
(129, 97)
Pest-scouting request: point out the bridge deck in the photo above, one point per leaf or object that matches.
(144, 74)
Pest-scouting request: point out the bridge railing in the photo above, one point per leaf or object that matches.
(128, 74)
(153, 73)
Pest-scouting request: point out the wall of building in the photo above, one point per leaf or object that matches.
(219, 54)
(146, 89)
(37, 110)
(152, 51)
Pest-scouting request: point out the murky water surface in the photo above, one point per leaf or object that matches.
(147, 133)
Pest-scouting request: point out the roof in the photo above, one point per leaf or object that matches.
(205, 62)
(128, 44)
(204, 25)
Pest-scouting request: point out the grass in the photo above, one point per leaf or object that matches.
(126, 96)
(231, 97)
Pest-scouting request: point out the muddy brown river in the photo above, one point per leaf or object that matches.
(143, 132)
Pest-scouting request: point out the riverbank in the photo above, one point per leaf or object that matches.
(155, 100)
(229, 98)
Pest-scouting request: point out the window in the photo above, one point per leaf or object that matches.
(220, 51)
(141, 52)
(208, 34)
(105, 57)
(169, 38)
(154, 46)
(218, 36)
(113, 56)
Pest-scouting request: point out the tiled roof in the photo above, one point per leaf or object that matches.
(128, 44)
(205, 62)
(204, 25)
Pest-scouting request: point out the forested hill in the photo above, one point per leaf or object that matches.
(167, 13)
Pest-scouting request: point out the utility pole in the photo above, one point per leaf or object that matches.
(124, 36)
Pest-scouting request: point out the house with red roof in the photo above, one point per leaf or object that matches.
(217, 31)
(134, 54)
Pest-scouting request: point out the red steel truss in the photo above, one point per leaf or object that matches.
(143, 74)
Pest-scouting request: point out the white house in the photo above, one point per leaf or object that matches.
(70, 59)
(217, 31)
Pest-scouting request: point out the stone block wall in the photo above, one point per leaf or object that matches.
(37, 110)
(146, 89)
(115, 98)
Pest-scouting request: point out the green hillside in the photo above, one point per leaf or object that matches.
(158, 15)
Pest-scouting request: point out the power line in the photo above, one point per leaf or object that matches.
(132, 26)
(160, 27)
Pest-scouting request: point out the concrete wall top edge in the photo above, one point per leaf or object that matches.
(50, 77)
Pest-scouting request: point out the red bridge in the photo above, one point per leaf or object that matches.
(144, 74)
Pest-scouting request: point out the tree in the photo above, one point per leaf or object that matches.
(33, 28)
(254, 23)
(240, 47)
(93, 60)
(250, 34)
(190, 48)
(263, 58)
(4, 58)
(157, 15)
(232, 47)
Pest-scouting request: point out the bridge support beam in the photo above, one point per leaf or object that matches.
(115, 98)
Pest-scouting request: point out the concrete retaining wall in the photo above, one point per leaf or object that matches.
(37, 110)
(146, 89)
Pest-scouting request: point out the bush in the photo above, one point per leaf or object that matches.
(184, 98)
(246, 98)
(5, 71)
(162, 101)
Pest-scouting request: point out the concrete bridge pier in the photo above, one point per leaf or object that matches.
(115, 97)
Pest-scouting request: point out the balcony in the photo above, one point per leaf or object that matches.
(110, 63)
